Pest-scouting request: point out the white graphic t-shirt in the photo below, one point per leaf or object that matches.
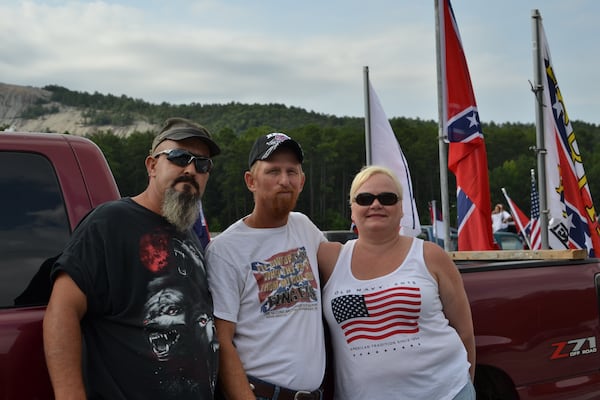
(266, 281)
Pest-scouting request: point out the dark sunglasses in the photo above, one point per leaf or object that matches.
(182, 158)
(385, 198)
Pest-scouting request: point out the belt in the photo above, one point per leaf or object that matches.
(265, 389)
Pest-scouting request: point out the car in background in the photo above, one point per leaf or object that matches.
(509, 241)
(343, 236)
(505, 240)
(340, 236)
(427, 234)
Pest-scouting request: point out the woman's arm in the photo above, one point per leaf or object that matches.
(327, 257)
(453, 297)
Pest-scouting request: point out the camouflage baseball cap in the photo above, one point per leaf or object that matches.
(180, 128)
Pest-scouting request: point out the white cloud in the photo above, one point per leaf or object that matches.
(306, 54)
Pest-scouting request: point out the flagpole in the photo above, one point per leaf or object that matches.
(442, 151)
(538, 90)
(367, 116)
(436, 234)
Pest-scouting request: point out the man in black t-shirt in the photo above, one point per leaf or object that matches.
(130, 315)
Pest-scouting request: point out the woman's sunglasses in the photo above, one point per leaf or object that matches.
(385, 198)
(182, 158)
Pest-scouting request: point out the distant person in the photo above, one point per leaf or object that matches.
(130, 315)
(398, 314)
(500, 219)
(265, 283)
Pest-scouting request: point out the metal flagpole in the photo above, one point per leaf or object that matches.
(434, 226)
(367, 116)
(442, 146)
(538, 90)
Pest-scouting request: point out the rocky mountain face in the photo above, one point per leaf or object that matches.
(15, 100)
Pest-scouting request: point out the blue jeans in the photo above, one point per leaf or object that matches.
(467, 392)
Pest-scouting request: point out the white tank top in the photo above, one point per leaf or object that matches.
(391, 339)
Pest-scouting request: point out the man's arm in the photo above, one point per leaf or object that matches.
(233, 380)
(62, 338)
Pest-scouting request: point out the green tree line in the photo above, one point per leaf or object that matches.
(333, 155)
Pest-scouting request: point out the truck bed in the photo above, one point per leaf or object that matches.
(536, 322)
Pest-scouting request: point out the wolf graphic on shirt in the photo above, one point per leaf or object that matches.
(178, 320)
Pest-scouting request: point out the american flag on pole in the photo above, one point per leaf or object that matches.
(467, 157)
(378, 315)
(532, 230)
(573, 222)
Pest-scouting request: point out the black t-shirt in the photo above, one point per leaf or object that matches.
(149, 328)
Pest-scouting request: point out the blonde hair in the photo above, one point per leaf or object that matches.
(368, 171)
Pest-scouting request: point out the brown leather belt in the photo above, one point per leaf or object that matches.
(267, 390)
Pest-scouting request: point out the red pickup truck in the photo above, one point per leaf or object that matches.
(48, 182)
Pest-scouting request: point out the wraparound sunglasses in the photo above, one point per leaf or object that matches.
(182, 158)
(385, 198)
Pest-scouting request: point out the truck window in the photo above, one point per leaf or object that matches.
(34, 228)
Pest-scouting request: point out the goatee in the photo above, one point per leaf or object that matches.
(181, 208)
(282, 206)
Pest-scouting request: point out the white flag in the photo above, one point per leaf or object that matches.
(572, 219)
(385, 151)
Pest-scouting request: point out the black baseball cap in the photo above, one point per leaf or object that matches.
(266, 145)
(180, 128)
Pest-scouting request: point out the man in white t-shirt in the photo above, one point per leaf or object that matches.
(264, 280)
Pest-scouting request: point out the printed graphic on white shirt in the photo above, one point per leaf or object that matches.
(377, 315)
(285, 282)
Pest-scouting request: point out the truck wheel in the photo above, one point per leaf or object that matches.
(493, 384)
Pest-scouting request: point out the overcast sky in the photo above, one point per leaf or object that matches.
(307, 54)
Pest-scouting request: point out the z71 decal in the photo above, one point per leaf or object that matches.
(574, 347)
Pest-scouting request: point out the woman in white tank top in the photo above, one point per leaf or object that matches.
(396, 307)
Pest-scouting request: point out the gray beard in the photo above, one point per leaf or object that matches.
(181, 208)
